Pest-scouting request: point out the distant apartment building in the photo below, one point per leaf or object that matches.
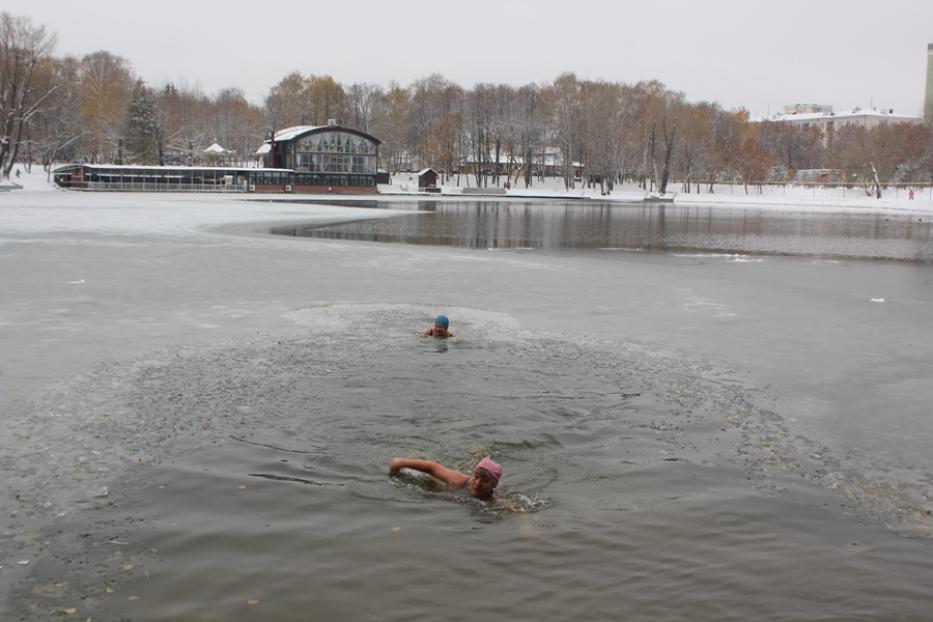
(828, 121)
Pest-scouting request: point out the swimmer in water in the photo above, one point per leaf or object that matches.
(481, 484)
(439, 330)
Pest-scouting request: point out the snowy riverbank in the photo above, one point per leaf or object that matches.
(725, 194)
(405, 185)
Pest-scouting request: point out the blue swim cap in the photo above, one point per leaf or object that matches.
(441, 320)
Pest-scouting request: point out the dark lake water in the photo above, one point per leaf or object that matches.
(652, 227)
(688, 433)
(636, 487)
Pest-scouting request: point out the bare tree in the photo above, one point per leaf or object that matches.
(237, 124)
(390, 111)
(670, 137)
(502, 129)
(602, 127)
(325, 100)
(362, 99)
(754, 160)
(444, 141)
(430, 100)
(185, 118)
(564, 104)
(793, 146)
(727, 135)
(695, 145)
(530, 126)
(286, 103)
(104, 91)
(480, 104)
(56, 129)
(24, 48)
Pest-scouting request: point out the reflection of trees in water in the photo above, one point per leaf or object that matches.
(561, 225)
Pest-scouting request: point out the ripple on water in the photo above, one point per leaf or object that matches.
(256, 470)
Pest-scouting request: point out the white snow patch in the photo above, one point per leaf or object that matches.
(36, 210)
(791, 198)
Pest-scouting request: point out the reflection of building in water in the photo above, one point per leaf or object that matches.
(826, 121)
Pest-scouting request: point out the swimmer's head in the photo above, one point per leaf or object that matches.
(442, 321)
(486, 476)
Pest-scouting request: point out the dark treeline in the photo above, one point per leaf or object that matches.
(96, 109)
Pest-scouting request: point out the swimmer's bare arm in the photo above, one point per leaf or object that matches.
(453, 479)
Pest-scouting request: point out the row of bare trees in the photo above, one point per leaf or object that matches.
(89, 108)
(96, 109)
(91, 114)
(596, 132)
(24, 87)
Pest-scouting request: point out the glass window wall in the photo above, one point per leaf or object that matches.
(334, 152)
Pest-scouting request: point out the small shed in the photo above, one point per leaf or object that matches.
(427, 178)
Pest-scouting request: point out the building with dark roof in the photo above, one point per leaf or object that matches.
(130, 178)
(322, 159)
(326, 158)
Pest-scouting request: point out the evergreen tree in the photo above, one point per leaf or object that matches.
(143, 135)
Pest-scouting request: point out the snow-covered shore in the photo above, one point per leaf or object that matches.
(405, 186)
(789, 196)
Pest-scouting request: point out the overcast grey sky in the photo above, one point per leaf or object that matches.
(756, 55)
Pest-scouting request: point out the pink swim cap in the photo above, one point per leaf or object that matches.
(490, 466)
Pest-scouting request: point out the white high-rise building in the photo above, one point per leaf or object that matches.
(928, 100)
